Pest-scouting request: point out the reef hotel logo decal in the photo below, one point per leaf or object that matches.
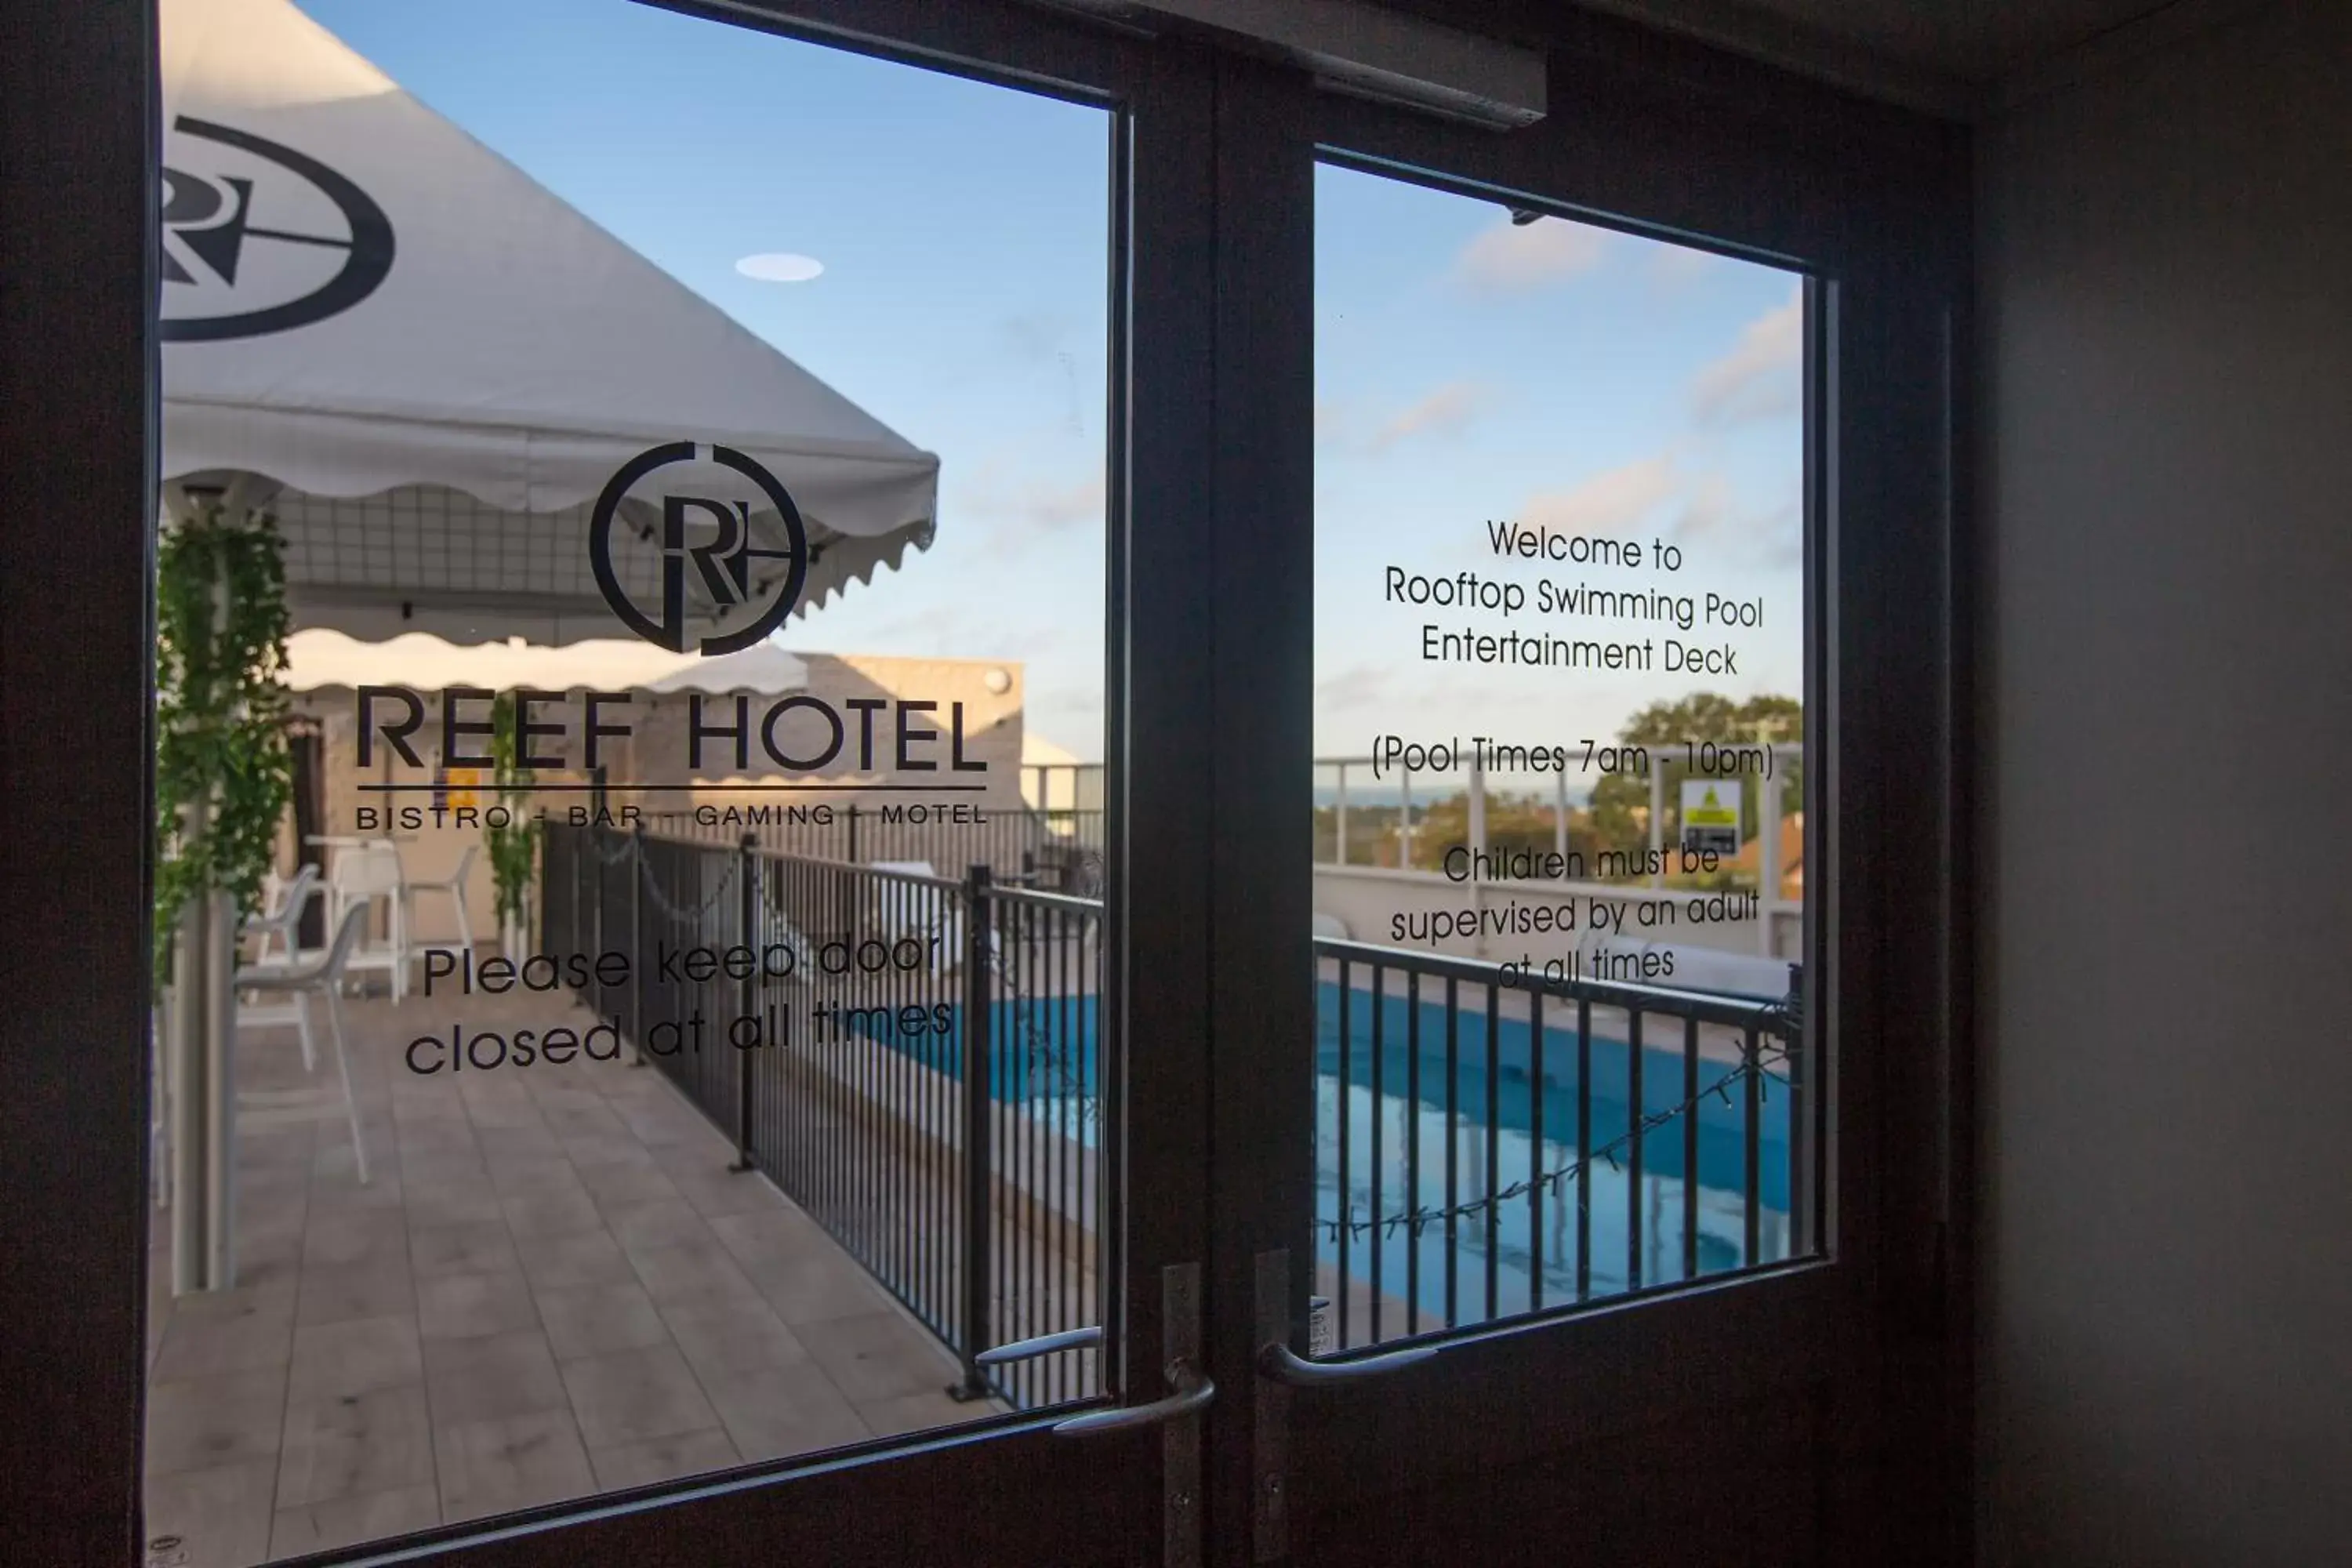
(258, 238)
(705, 542)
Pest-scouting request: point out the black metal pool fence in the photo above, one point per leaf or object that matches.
(1057, 850)
(915, 1059)
(907, 1057)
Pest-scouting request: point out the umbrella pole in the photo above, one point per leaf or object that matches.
(202, 1101)
(220, 1097)
(190, 1166)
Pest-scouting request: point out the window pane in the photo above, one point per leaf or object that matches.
(1560, 621)
(689, 489)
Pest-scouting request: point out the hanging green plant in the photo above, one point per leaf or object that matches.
(513, 844)
(221, 754)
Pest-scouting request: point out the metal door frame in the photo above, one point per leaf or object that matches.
(1654, 136)
(1213, 671)
(76, 603)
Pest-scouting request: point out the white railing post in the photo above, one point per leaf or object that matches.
(1767, 853)
(1340, 854)
(1477, 807)
(1404, 824)
(1657, 823)
(1560, 817)
(1478, 844)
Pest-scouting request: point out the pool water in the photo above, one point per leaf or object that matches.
(1043, 1057)
(1530, 1243)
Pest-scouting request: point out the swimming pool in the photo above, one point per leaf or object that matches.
(1044, 1060)
(1532, 1243)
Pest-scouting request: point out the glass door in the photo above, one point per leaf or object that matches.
(1561, 763)
(1549, 1044)
(948, 785)
(688, 481)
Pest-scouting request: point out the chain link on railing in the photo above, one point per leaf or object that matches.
(1756, 1063)
(679, 912)
(936, 1234)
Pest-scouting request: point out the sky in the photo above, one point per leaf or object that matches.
(1557, 374)
(1564, 378)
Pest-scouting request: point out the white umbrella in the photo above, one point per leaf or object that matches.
(319, 659)
(450, 387)
(765, 669)
(431, 367)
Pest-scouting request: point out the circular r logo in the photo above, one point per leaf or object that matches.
(722, 564)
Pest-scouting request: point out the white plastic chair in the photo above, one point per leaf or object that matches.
(454, 885)
(321, 975)
(274, 892)
(282, 902)
(933, 917)
(360, 877)
(279, 929)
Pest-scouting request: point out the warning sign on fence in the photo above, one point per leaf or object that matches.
(1711, 814)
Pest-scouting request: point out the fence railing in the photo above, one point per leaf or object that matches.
(1051, 850)
(911, 1058)
(916, 1061)
(1490, 1143)
(1381, 814)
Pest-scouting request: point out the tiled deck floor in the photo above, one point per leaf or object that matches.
(553, 1286)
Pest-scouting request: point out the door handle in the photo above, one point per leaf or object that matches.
(1090, 1338)
(1189, 1391)
(1280, 1370)
(1277, 1361)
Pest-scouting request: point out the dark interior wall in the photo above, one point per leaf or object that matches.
(2166, 1111)
(77, 215)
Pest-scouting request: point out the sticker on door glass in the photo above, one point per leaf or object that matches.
(1559, 791)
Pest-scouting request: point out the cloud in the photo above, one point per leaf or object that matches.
(1714, 517)
(1031, 501)
(1042, 340)
(1703, 506)
(950, 631)
(1782, 530)
(1512, 259)
(1609, 502)
(947, 626)
(1759, 378)
(1706, 508)
(1033, 336)
(1057, 506)
(1445, 410)
(1672, 263)
(1360, 686)
(1072, 714)
(779, 267)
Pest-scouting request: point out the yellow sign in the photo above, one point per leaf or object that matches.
(1711, 815)
(1710, 809)
(460, 784)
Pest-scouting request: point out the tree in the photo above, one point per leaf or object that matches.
(1621, 801)
(224, 772)
(514, 842)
